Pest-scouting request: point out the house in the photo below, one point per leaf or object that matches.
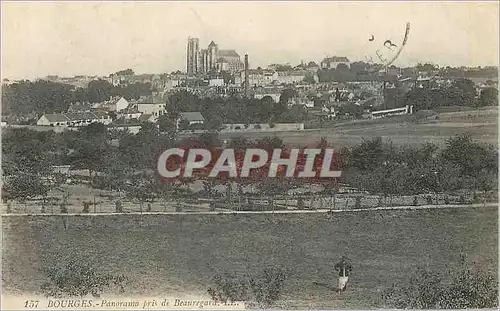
(274, 93)
(114, 104)
(154, 105)
(102, 117)
(73, 119)
(259, 77)
(216, 82)
(191, 117)
(52, 119)
(329, 112)
(291, 77)
(61, 169)
(129, 113)
(333, 62)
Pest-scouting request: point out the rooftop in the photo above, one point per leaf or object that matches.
(228, 53)
(336, 59)
(191, 116)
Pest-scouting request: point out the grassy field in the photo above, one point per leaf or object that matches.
(482, 125)
(165, 255)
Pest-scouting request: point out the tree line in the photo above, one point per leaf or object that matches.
(124, 162)
(26, 97)
(240, 110)
(461, 92)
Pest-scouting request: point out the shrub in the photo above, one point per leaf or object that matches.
(257, 126)
(357, 204)
(460, 289)
(272, 125)
(78, 279)
(429, 200)
(262, 290)
(229, 287)
(86, 207)
(118, 206)
(300, 203)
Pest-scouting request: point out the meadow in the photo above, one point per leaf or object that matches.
(481, 124)
(170, 254)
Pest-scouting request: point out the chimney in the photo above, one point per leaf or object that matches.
(246, 83)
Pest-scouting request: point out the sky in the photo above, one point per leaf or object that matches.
(99, 38)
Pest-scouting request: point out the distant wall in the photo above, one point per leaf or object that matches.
(132, 129)
(57, 129)
(263, 127)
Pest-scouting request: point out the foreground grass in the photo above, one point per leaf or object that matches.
(164, 255)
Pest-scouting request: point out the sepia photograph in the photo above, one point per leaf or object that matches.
(285, 155)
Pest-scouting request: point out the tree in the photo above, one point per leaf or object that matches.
(91, 148)
(28, 151)
(99, 91)
(342, 67)
(184, 125)
(166, 125)
(287, 95)
(39, 97)
(142, 187)
(488, 97)
(214, 124)
(126, 72)
(25, 186)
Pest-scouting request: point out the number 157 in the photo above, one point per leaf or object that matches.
(31, 303)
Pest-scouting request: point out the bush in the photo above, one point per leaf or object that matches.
(272, 125)
(300, 203)
(461, 289)
(429, 200)
(263, 290)
(86, 207)
(78, 279)
(257, 126)
(357, 204)
(118, 206)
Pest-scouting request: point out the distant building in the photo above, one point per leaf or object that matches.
(213, 59)
(333, 62)
(192, 117)
(129, 113)
(291, 77)
(153, 105)
(193, 51)
(216, 82)
(273, 93)
(259, 77)
(114, 104)
(73, 119)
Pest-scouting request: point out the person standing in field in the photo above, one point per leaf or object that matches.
(344, 268)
